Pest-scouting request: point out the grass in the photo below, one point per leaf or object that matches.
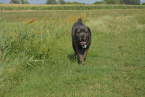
(37, 59)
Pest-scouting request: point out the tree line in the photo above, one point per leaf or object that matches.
(61, 2)
(19, 1)
(47, 2)
(128, 2)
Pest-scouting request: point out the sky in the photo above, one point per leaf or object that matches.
(43, 1)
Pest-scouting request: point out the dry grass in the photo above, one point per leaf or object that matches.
(112, 24)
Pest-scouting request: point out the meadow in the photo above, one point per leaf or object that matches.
(37, 59)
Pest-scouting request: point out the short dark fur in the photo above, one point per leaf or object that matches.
(81, 35)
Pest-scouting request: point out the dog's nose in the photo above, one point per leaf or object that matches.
(82, 36)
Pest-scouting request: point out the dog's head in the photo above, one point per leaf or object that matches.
(82, 34)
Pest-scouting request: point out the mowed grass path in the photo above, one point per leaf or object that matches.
(114, 64)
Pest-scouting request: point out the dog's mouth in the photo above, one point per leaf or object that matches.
(82, 42)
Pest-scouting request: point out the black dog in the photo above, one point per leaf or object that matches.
(81, 40)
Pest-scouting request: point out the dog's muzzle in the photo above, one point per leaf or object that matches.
(82, 39)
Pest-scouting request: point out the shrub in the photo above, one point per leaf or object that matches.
(68, 3)
(143, 3)
(98, 2)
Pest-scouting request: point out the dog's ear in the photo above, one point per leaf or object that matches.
(87, 29)
(77, 29)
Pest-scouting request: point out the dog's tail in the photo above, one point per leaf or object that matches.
(79, 20)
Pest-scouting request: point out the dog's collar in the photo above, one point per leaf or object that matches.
(84, 46)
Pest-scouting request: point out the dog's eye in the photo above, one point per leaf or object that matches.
(78, 31)
(85, 32)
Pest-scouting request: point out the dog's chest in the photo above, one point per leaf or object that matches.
(84, 46)
(82, 50)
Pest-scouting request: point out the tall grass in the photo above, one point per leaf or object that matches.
(24, 44)
(67, 7)
(36, 57)
(34, 34)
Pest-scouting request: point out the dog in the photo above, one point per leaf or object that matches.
(81, 40)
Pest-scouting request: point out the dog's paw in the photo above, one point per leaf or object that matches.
(83, 63)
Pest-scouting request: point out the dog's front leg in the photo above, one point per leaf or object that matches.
(80, 54)
(86, 51)
(76, 55)
(82, 59)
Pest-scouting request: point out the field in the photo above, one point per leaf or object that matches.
(37, 59)
(67, 7)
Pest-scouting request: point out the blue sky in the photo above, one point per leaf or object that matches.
(43, 1)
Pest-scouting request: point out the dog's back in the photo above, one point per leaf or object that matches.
(78, 23)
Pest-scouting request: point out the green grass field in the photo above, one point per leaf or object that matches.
(37, 59)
